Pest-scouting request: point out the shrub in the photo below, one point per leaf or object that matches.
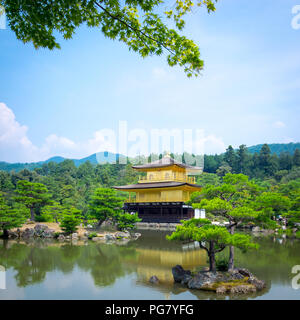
(70, 223)
(43, 218)
(56, 234)
(126, 221)
(222, 264)
(297, 234)
(92, 235)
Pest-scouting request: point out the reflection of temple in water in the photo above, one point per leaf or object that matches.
(156, 256)
(160, 262)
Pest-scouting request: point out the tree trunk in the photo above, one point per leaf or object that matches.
(31, 214)
(231, 258)
(99, 223)
(5, 233)
(231, 252)
(212, 259)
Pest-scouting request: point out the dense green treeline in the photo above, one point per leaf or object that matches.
(68, 185)
(238, 202)
(262, 165)
(57, 190)
(277, 147)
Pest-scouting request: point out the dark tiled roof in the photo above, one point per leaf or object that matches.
(165, 162)
(156, 185)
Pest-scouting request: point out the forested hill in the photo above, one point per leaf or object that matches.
(103, 157)
(277, 147)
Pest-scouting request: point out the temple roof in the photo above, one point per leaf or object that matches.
(156, 185)
(166, 161)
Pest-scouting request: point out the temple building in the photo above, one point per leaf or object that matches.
(160, 195)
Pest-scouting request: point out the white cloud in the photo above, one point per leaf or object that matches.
(15, 145)
(14, 142)
(213, 144)
(278, 124)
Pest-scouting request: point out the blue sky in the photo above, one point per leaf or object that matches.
(56, 102)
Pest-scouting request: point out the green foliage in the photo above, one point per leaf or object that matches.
(10, 217)
(276, 148)
(71, 186)
(106, 175)
(195, 222)
(202, 230)
(32, 195)
(272, 200)
(43, 218)
(223, 170)
(125, 221)
(208, 179)
(264, 220)
(141, 25)
(92, 235)
(259, 161)
(293, 218)
(71, 220)
(230, 158)
(104, 204)
(212, 238)
(230, 200)
(53, 212)
(222, 263)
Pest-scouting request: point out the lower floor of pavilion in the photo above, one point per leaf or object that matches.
(160, 212)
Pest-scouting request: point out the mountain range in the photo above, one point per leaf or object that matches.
(108, 157)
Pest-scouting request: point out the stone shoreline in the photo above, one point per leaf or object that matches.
(43, 231)
(237, 281)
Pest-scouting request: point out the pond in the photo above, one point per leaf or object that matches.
(53, 270)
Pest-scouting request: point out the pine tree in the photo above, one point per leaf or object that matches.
(242, 159)
(230, 200)
(71, 220)
(9, 217)
(296, 158)
(32, 195)
(285, 161)
(230, 158)
(266, 164)
(213, 239)
(105, 204)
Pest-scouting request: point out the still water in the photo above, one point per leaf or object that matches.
(54, 270)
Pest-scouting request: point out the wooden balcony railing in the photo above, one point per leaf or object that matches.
(167, 178)
(151, 198)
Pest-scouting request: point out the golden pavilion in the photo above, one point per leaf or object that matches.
(160, 195)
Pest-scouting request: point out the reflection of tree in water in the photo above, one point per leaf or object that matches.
(105, 262)
(69, 254)
(274, 259)
(32, 262)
